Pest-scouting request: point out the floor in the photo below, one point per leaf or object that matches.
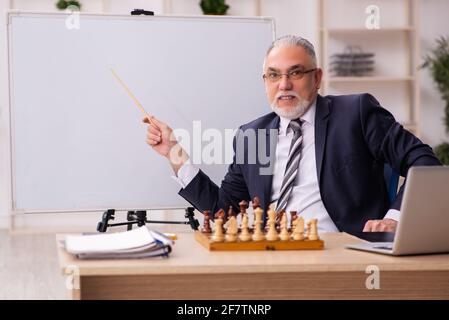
(29, 267)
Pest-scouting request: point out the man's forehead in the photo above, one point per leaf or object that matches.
(287, 57)
(293, 67)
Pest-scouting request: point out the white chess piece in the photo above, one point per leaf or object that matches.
(272, 234)
(231, 232)
(313, 229)
(218, 232)
(244, 234)
(298, 231)
(284, 231)
(258, 233)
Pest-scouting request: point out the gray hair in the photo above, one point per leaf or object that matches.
(292, 41)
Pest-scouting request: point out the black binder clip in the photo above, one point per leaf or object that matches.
(137, 12)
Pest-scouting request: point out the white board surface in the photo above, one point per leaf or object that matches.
(78, 141)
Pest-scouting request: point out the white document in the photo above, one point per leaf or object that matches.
(137, 243)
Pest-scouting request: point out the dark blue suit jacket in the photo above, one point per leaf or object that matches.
(354, 138)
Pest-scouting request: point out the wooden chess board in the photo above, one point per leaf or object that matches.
(205, 240)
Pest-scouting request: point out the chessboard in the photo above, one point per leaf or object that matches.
(277, 234)
(205, 240)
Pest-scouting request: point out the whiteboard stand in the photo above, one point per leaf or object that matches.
(139, 218)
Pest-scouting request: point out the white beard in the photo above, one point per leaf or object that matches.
(290, 113)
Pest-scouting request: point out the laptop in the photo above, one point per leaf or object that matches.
(424, 224)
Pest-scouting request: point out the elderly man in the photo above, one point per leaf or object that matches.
(329, 151)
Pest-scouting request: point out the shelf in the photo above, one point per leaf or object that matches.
(369, 79)
(366, 31)
(396, 46)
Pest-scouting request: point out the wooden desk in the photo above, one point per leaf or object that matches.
(192, 272)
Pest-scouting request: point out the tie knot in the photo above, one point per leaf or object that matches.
(295, 125)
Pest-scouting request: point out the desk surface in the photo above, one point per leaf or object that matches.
(189, 257)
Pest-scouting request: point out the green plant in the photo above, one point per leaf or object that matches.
(63, 4)
(442, 152)
(216, 7)
(438, 63)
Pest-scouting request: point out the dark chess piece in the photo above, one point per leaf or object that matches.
(279, 216)
(220, 214)
(256, 203)
(231, 212)
(206, 224)
(294, 216)
(243, 206)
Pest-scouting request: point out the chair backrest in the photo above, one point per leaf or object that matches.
(391, 180)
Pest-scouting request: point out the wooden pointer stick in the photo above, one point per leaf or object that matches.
(136, 102)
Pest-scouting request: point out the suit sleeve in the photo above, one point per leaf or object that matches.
(204, 194)
(390, 143)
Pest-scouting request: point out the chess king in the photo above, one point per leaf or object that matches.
(326, 153)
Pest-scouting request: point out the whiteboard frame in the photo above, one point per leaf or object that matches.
(17, 13)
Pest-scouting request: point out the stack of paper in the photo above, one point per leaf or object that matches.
(137, 243)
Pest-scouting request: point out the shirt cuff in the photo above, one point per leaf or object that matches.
(393, 214)
(186, 173)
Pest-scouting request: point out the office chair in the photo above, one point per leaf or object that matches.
(392, 180)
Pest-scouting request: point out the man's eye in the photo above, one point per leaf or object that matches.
(295, 73)
(273, 75)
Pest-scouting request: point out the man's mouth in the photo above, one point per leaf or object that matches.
(286, 97)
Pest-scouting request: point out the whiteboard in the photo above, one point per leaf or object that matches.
(78, 141)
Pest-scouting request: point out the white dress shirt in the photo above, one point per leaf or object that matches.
(305, 197)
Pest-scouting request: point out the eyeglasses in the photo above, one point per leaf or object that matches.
(295, 74)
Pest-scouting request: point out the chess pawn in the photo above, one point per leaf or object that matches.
(256, 203)
(218, 235)
(244, 234)
(231, 232)
(206, 224)
(272, 234)
(284, 232)
(258, 233)
(298, 229)
(312, 230)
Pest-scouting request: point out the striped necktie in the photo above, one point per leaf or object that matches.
(291, 169)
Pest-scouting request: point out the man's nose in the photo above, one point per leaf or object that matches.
(285, 83)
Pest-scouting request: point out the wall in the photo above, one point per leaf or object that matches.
(292, 16)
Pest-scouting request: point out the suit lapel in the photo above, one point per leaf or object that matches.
(321, 120)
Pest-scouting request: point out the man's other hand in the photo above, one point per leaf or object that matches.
(384, 225)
